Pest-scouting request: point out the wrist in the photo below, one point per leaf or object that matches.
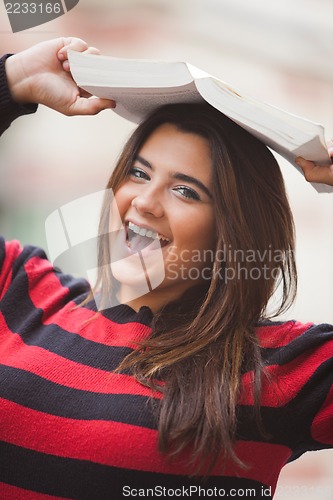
(17, 80)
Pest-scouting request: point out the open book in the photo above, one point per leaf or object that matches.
(139, 86)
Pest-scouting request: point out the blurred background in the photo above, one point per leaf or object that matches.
(278, 51)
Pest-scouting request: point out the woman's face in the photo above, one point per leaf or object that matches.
(166, 206)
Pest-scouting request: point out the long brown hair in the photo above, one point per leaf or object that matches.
(201, 345)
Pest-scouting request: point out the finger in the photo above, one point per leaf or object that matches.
(71, 44)
(74, 43)
(91, 106)
(62, 55)
(92, 50)
(65, 66)
(316, 173)
(304, 164)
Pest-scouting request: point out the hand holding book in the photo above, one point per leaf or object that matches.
(41, 75)
(317, 173)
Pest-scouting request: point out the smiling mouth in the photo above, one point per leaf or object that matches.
(138, 238)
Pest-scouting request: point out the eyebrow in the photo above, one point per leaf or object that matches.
(179, 176)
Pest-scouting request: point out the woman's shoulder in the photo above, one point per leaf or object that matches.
(12, 250)
(28, 268)
(283, 341)
(297, 397)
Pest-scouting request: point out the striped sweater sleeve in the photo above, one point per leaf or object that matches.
(30, 266)
(299, 388)
(318, 363)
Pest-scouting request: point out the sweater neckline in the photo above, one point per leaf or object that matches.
(123, 313)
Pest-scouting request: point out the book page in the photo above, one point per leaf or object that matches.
(136, 104)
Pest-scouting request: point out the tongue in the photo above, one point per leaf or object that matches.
(138, 243)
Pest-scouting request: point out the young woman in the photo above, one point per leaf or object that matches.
(187, 389)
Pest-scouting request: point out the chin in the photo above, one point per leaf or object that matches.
(140, 273)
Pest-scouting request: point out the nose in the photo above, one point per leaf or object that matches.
(148, 203)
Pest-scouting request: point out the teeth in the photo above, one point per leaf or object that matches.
(146, 232)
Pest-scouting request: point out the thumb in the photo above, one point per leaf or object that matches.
(316, 173)
(91, 106)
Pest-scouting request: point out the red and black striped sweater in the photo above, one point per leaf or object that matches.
(71, 428)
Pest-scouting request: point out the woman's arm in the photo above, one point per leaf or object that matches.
(41, 75)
